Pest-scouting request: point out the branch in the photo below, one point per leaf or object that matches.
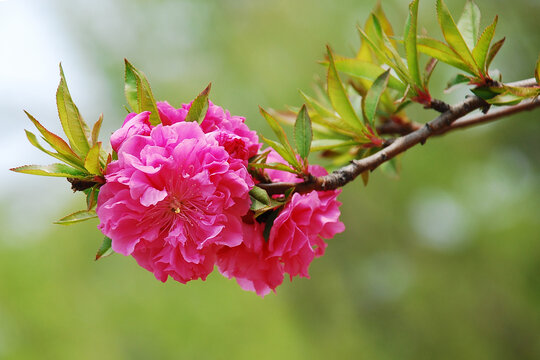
(445, 122)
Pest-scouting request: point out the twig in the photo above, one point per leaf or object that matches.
(445, 122)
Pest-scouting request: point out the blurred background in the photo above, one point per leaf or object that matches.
(442, 264)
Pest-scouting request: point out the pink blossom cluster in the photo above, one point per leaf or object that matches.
(177, 200)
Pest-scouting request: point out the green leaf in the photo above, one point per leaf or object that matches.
(91, 197)
(428, 71)
(58, 170)
(364, 70)
(328, 118)
(317, 106)
(269, 223)
(371, 100)
(139, 94)
(303, 135)
(493, 51)
(469, 23)
(329, 144)
(285, 154)
(199, 106)
(364, 51)
(453, 37)
(72, 122)
(506, 99)
(365, 177)
(485, 93)
(481, 50)
(456, 80)
(282, 137)
(394, 59)
(410, 43)
(34, 141)
(55, 141)
(76, 217)
(442, 52)
(523, 92)
(91, 163)
(105, 249)
(338, 96)
(260, 195)
(96, 129)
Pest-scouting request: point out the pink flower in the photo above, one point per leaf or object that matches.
(296, 238)
(173, 197)
(229, 131)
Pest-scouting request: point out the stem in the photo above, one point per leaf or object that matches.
(449, 120)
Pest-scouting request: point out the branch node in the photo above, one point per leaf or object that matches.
(439, 105)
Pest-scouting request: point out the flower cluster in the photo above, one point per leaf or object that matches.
(295, 239)
(177, 200)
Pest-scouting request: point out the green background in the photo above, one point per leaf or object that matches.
(443, 263)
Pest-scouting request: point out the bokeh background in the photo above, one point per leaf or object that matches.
(443, 263)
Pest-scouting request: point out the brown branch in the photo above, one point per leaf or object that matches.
(445, 122)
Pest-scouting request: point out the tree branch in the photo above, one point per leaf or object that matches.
(449, 120)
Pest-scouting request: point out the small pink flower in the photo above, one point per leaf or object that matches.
(296, 238)
(173, 197)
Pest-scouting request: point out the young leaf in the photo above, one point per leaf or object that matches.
(269, 223)
(303, 134)
(364, 70)
(365, 177)
(456, 80)
(481, 50)
(371, 100)
(199, 106)
(409, 37)
(493, 51)
(72, 122)
(338, 96)
(91, 197)
(394, 59)
(76, 217)
(506, 98)
(260, 195)
(55, 141)
(91, 162)
(442, 52)
(282, 137)
(34, 141)
(454, 38)
(469, 23)
(285, 153)
(139, 94)
(105, 249)
(317, 106)
(58, 170)
(428, 70)
(523, 92)
(95, 130)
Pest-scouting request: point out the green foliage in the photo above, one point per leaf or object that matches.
(76, 217)
(139, 94)
(72, 122)
(384, 79)
(303, 134)
(105, 249)
(199, 107)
